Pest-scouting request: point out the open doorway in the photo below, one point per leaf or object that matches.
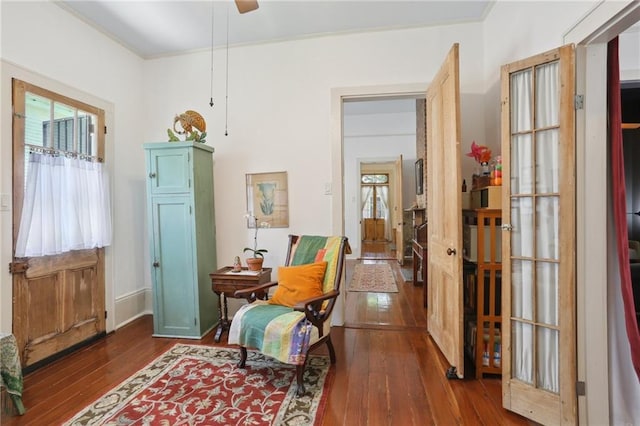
(376, 132)
(379, 156)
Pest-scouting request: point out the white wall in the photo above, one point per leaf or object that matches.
(515, 30)
(101, 72)
(279, 114)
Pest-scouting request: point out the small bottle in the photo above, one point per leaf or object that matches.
(464, 185)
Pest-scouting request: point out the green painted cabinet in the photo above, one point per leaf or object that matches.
(182, 237)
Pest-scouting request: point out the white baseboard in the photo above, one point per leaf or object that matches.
(132, 306)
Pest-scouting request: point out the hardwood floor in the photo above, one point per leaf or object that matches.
(389, 371)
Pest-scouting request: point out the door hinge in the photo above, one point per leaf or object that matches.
(18, 267)
(581, 388)
(190, 212)
(195, 321)
(189, 182)
(578, 101)
(105, 314)
(105, 130)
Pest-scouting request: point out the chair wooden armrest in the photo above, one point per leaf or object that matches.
(312, 309)
(256, 292)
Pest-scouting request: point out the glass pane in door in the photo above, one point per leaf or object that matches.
(535, 217)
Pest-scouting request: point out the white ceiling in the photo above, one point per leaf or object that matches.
(155, 28)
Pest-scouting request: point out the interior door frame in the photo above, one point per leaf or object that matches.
(338, 96)
(591, 36)
(11, 71)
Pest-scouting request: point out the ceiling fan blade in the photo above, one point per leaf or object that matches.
(245, 6)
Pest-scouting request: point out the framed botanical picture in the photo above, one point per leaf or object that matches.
(268, 199)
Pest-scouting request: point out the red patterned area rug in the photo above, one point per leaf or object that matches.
(373, 277)
(201, 385)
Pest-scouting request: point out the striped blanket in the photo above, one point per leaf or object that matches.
(279, 331)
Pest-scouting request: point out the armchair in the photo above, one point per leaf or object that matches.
(297, 318)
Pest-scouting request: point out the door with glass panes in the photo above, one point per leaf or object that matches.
(375, 206)
(538, 244)
(58, 299)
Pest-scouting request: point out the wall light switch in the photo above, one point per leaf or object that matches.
(5, 202)
(327, 188)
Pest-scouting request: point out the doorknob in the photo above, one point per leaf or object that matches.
(152, 175)
(451, 251)
(156, 264)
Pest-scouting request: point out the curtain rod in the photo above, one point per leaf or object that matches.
(57, 152)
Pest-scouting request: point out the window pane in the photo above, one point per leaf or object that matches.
(87, 137)
(375, 178)
(547, 161)
(547, 359)
(547, 95)
(522, 289)
(63, 127)
(521, 101)
(37, 111)
(547, 293)
(522, 352)
(522, 227)
(521, 164)
(548, 214)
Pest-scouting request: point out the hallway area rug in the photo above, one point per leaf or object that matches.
(374, 278)
(201, 385)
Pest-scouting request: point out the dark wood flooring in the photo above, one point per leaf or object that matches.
(389, 371)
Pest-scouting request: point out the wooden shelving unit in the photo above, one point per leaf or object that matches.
(483, 276)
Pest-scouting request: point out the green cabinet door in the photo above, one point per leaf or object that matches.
(173, 296)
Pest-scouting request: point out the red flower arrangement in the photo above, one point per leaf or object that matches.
(480, 153)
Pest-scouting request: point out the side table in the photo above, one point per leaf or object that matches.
(224, 283)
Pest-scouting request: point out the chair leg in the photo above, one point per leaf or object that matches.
(332, 352)
(243, 357)
(299, 378)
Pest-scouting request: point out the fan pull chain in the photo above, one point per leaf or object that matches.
(211, 87)
(226, 100)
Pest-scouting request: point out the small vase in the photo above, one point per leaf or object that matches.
(484, 166)
(254, 263)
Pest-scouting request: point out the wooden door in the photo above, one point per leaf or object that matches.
(444, 214)
(538, 245)
(58, 301)
(398, 212)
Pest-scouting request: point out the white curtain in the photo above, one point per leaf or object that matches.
(66, 206)
(366, 194)
(534, 170)
(383, 192)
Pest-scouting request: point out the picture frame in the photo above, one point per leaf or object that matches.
(268, 200)
(419, 176)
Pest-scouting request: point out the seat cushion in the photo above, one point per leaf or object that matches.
(298, 283)
(276, 331)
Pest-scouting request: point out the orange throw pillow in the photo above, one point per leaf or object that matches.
(297, 283)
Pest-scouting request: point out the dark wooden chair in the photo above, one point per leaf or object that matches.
(314, 317)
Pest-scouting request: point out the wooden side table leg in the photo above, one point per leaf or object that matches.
(220, 323)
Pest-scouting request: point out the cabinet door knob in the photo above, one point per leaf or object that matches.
(156, 264)
(451, 251)
(152, 175)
